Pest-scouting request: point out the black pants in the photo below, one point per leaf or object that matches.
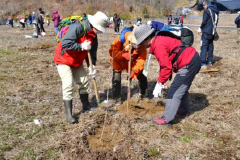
(23, 24)
(41, 28)
(116, 28)
(116, 84)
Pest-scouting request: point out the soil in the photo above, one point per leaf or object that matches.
(140, 108)
(30, 88)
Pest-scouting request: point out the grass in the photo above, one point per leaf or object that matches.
(30, 88)
(153, 152)
(4, 53)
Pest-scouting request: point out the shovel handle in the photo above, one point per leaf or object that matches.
(94, 80)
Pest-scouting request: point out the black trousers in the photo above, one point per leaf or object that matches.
(116, 84)
(116, 28)
(41, 28)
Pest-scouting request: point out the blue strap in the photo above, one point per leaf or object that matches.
(122, 35)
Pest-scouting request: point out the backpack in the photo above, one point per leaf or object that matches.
(64, 25)
(122, 34)
(157, 26)
(182, 33)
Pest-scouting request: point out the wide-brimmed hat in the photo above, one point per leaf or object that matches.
(132, 37)
(99, 21)
(142, 32)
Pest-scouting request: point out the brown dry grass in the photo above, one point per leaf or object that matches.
(30, 88)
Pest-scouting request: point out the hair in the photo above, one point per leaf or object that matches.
(84, 14)
(40, 9)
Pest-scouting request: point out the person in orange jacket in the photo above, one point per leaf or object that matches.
(119, 58)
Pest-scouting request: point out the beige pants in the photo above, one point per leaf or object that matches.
(238, 30)
(68, 76)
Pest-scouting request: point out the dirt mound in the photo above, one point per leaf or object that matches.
(140, 108)
(106, 137)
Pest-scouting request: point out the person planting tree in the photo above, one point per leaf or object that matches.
(79, 39)
(186, 63)
(120, 57)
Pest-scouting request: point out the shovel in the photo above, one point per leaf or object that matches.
(94, 80)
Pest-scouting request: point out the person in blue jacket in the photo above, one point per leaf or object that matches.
(237, 22)
(207, 30)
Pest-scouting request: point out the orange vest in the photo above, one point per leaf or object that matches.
(73, 58)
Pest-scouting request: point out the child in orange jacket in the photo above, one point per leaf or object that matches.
(120, 56)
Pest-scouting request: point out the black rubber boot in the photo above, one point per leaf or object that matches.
(142, 84)
(68, 108)
(116, 88)
(116, 85)
(85, 102)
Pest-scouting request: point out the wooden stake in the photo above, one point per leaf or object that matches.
(129, 75)
(94, 80)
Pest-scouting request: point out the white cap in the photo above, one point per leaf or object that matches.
(99, 21)
(238, 12)
(149, 23)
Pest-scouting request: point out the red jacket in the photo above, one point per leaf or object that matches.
(73, 58)
(161, 48)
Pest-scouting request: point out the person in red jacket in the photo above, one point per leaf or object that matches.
(186, 66)
(71, 51)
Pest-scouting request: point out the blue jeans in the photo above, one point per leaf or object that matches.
(206, 48)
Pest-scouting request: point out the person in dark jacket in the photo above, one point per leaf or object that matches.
(55, 19)
(186, 66)
(40, 20)
(237, 22)
(116, 21)
(70, 53)
(84, 18)
(30, 19)
(10, 21)
(207, 30)
(169, 19)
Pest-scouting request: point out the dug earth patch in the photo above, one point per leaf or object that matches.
(141, 108)
(106, 138)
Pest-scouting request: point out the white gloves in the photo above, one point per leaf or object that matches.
(86, 45)
(157, 92)
(94, 73)
(199, 30)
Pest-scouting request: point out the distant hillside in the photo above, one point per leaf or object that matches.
(127, 9)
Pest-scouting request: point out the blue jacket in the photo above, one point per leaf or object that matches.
(207, 24)
(237, 21)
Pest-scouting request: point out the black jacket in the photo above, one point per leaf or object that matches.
(207, 24)
(237, 21)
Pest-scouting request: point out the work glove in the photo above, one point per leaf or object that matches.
(94, 73)
(126, 55)
(157, 92)
(86, 45)
(199, 30)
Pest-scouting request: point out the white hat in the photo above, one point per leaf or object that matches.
(149, 23)
(238, 12)
(99, 21)
(142, 32)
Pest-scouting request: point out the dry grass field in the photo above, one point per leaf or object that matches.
(30, 88)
